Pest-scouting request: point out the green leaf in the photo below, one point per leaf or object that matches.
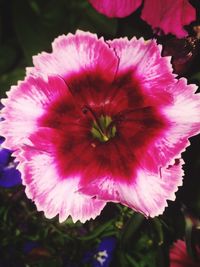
(157, 225)
(132, 226)
(11, 78)
(196, 76)
(189, 238)
(95, 22)
(37, 25)
(160, 259)
(8, 55)
(31, 35)
(122, 259)
(99, 230)
(131, 261)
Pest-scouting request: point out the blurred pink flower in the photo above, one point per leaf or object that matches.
(168, 16)
(116, 8)
(106, 121)
(179, 256)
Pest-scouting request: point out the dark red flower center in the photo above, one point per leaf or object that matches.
(101, 129)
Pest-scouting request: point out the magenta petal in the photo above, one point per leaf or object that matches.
(76, 54)
(116, 8)
(146, 193)
(170, 16)
(27, 102)
(52, 193)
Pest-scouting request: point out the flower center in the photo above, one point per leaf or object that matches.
(103, 128)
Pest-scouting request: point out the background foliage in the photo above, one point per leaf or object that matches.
(26, 237)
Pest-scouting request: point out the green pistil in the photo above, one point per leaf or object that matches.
(103, 128)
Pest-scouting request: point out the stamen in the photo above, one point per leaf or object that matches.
(103, 127)
(85, 109)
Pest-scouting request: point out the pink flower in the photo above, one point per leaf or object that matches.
(107, 121)
(179, 256)
(116, 8)
(168, 16)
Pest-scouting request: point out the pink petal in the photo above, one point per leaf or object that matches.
(76, 54)
(182, 119)
(158, 87)
(143, 60)
(27, 102)
(146, 193)
(116, 8)
(53, 193)
(170, 16)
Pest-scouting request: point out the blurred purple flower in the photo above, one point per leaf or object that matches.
(102, 255)
(29, 246)
(9, 176)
